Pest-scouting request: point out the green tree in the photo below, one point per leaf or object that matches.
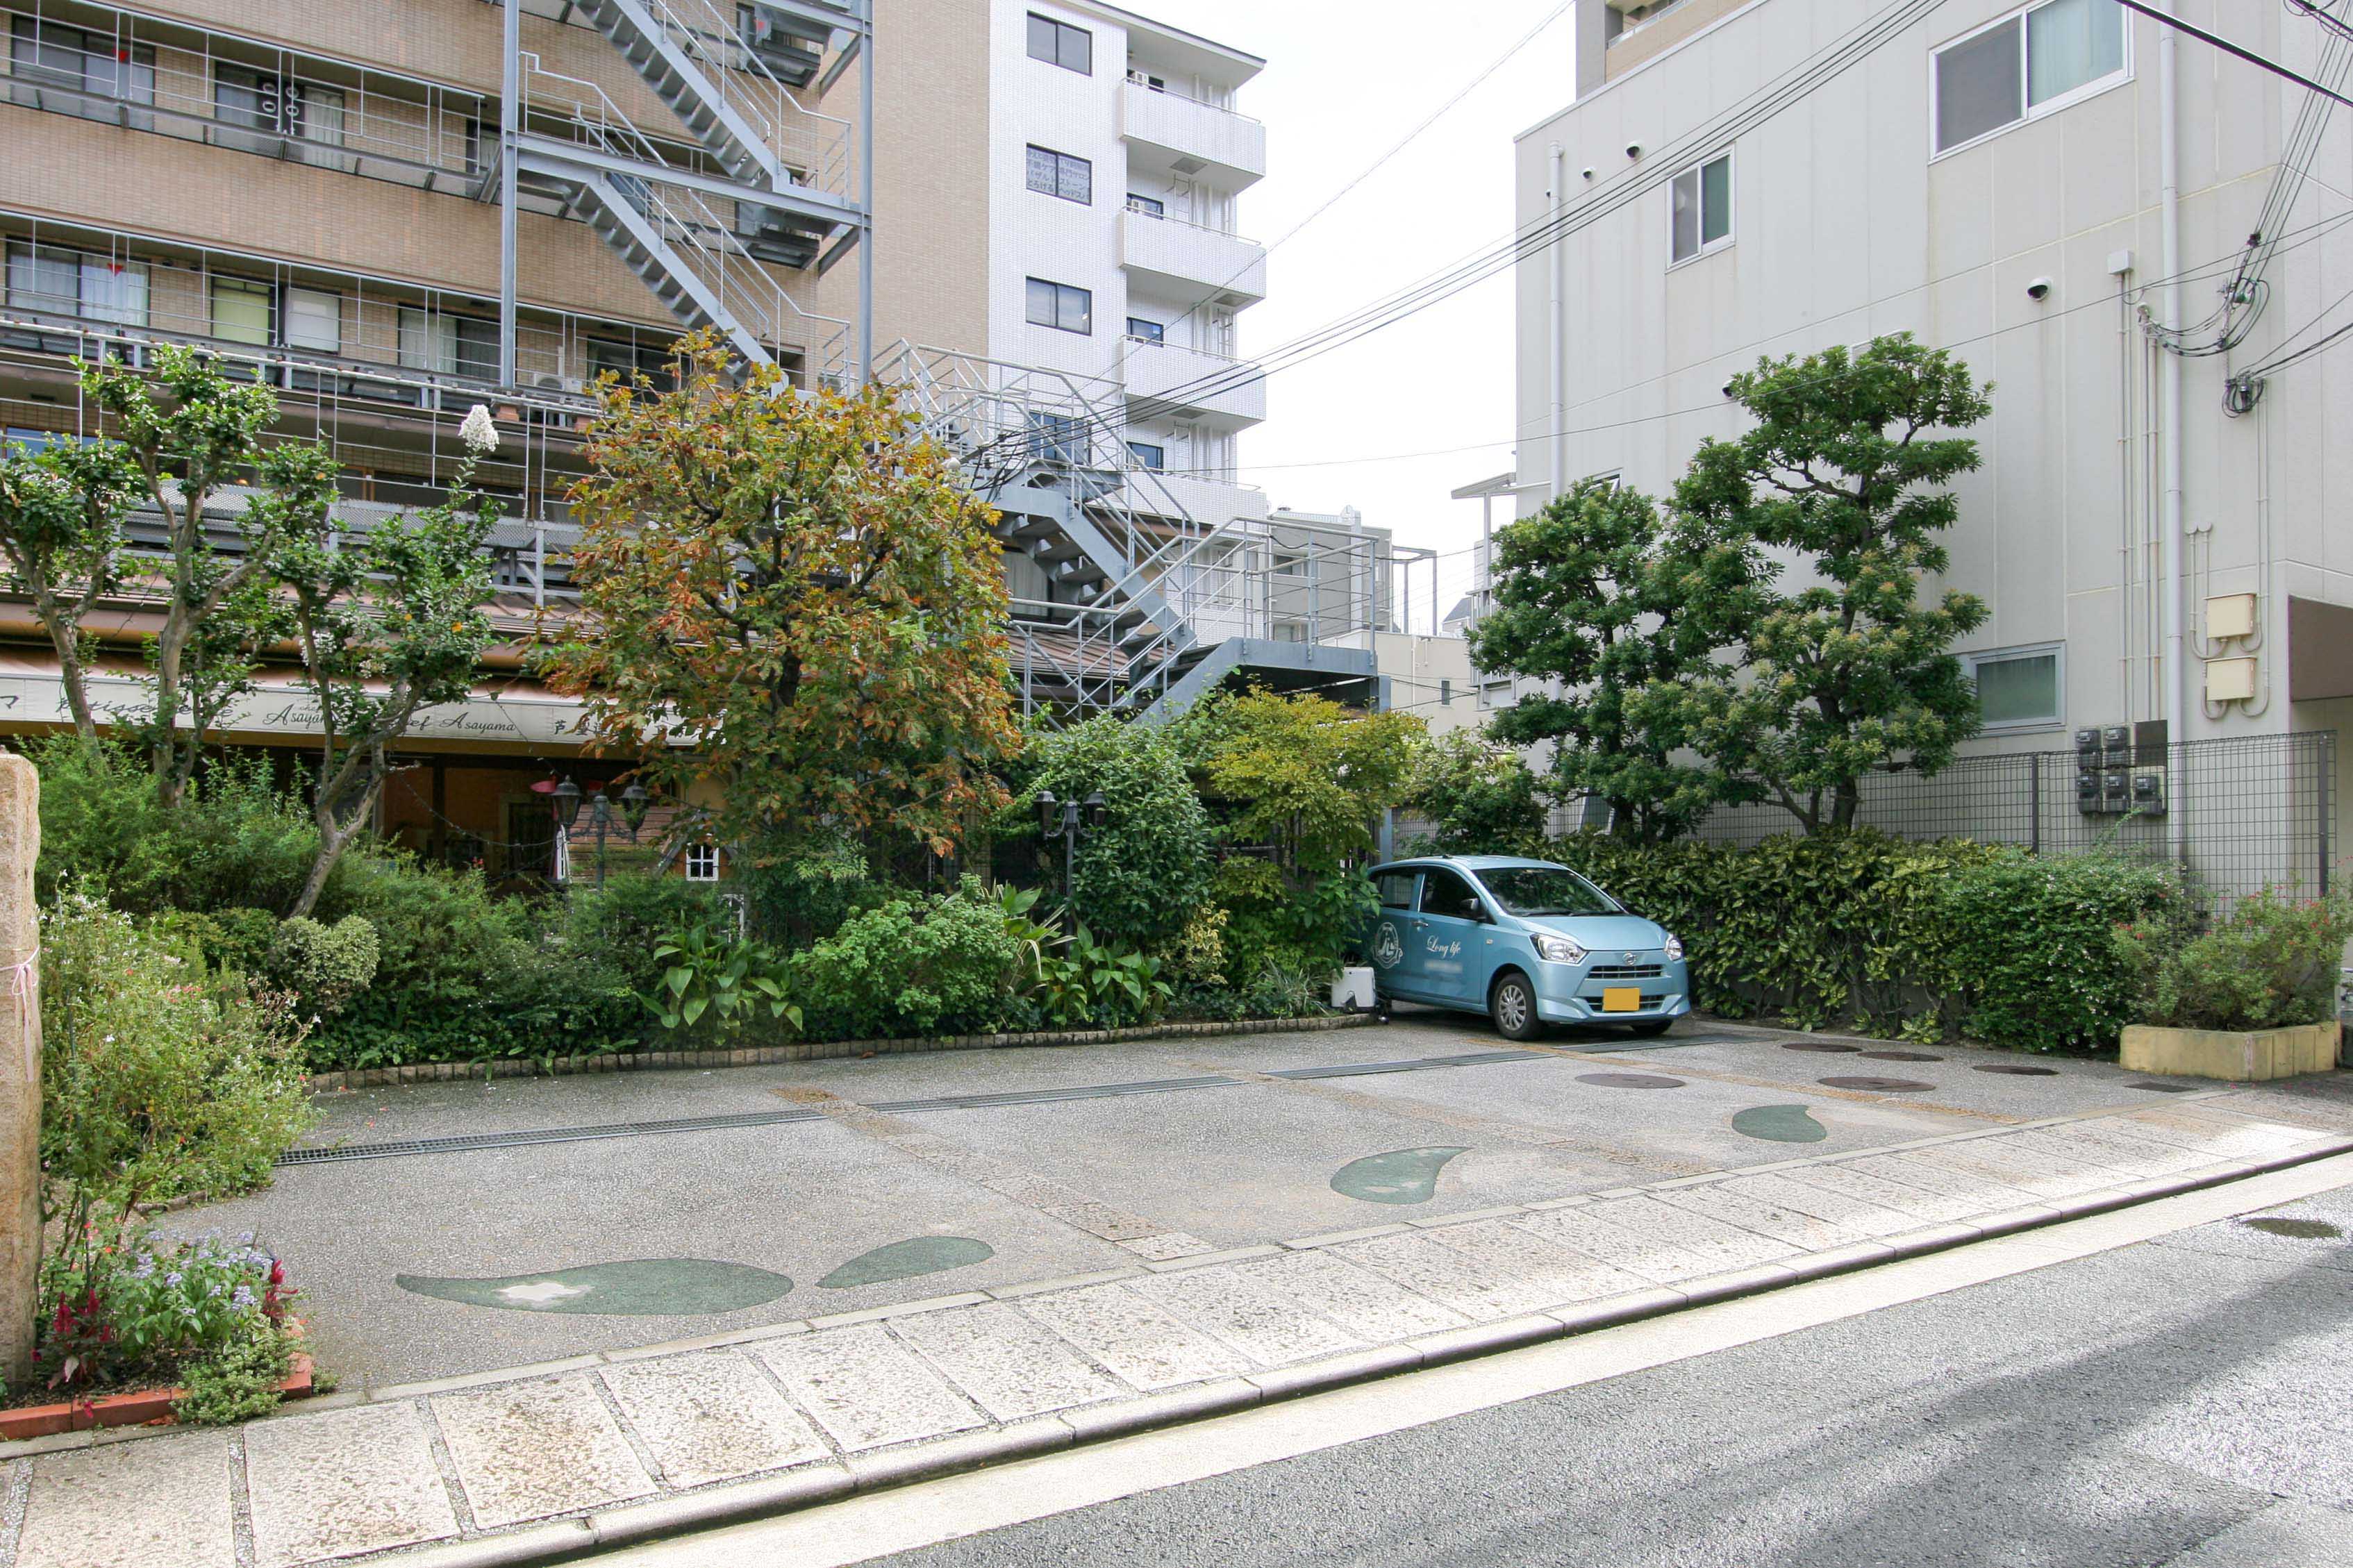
(794, 597)
(1139, 877)
(1840, 482)
(1596, 598)
(387, 623)
(62, 540)
(187, 430)
(1481, 798)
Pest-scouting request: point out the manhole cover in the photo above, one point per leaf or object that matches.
(1903, 1057)
(2155, 1088)
(1628, 1080)
(2017, 1071)
(1882, 1084)
(1822, 1046)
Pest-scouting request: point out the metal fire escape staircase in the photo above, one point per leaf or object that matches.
(771, 184)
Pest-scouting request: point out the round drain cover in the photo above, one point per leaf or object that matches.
(1628, 1080)
(2016, 1070)
(1903, 1057)
(1823, 1046)
(1883, 1085)
(2163, 1088)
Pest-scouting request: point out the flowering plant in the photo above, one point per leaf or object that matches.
(145, 1304)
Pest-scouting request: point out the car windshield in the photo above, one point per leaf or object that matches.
(1535, 891)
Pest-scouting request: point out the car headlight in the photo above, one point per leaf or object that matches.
(1560, 950)
(1674, 949)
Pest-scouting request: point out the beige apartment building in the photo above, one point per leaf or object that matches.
(391, 213)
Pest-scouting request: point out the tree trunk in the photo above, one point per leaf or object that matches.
(1847, 805)
(335, 836)
(68, 642)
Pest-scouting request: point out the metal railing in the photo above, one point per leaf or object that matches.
(704, 231)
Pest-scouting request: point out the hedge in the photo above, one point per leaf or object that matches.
(1894, 938)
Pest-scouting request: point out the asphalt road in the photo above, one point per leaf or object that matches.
(2185, 1401)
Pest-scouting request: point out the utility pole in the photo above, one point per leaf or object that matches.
(510, 127)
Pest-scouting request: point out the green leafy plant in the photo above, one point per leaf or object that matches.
(918, 965)
(237, 1383)
(708, 971)
(1140, 876)
(120, 1306)
(1090, 982)
(2270, 962)
(322, 966)
(2031, 945)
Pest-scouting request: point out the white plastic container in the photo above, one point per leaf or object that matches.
(1354, 990)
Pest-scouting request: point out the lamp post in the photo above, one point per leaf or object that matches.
(634, 801)
(1069, 821)
(567, 796)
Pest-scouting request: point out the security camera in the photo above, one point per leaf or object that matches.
(2039, 288)
(1633, 149)
(1727, 389)
(1589, 174)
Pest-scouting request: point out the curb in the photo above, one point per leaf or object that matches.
(735, 1502)
(344, 1083)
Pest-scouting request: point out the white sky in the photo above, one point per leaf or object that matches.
(1345, 80)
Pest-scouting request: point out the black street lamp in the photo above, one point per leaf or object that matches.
(567, 804)
(1069, 821)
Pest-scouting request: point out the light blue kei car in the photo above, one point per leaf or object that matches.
(1527, 943)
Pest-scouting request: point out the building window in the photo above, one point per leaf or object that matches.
(2027, 63)
(48, 280)
(1148, 455)
(276, 109)
(2018, 688)
(702, 862)
(1061, 306)
(1150, 331)
(1290, 565)
(1056, 437)
(1700, 208)
(627, 362)
(242, 309)
(452, 345)
(313, 320)
(1150, 206)
(1060, 174)
(1060, 44)
(92, 66)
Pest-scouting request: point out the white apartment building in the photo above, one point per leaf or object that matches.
(2136, 238)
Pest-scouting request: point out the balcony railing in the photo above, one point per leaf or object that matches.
(1193, 257)
(1233, 145)
(1190, 382)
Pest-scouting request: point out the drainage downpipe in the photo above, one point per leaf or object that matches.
(1557, 266)
(2177, 672)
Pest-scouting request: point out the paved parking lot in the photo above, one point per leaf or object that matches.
(820, 1189)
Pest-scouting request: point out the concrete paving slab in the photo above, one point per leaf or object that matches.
(1371, 1306)
(710, 1416)
(1801, 1231)
(1475, 1287)
(1261, 1323)
(1982, 1160)
(1012, 1367)
(1136, 1339)
(1849, 1211)
(1971, 1184)
(1550, 1274)
(1921, 1204)
(1641, 1254)
(865, 1388)
(160, 1502)
(344, 1482)
(1724, 1245)
(527, 1450)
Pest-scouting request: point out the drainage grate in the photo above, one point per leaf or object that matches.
(1421, 1064)
(336, 1154)
(1049, 1096)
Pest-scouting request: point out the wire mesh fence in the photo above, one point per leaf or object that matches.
(2239, 813)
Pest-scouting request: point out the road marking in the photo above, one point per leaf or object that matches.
(864, 1528)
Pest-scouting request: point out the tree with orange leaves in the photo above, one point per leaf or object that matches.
(792, 595)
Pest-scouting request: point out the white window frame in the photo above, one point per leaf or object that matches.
(2055, 651)
(702, 862)
(295, 295)
(1059, 28)
(1086, 305)
(2029, 113)
(1698, 170)
(1059, 159)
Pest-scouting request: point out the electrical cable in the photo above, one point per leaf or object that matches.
(2227, 47)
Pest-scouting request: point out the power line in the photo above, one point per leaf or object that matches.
(2228, 48)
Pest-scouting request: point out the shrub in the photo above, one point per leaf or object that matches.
(804, 897)
(1480, 798)
(322, 966)
(917, 965)
(1898, 937)
(235, 840)
(2030, 941)
(228, 939)
(714, 984)
(614, 929)
(138, 1310)
(156, 1082)
(1140, 877)
(237, 1383)
(2270, 962)
(1086, 983)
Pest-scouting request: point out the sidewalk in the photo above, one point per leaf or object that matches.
(528, 1462)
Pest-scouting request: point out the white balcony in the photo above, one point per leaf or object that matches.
(1213, 503)
(1194, 384)
(1189, 136)
(1171, 254)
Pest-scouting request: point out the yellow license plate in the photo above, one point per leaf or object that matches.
(1621, 999)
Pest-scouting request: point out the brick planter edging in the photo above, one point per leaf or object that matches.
(144, 1407)
(808, 1051)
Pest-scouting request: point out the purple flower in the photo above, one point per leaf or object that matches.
(173, 1277)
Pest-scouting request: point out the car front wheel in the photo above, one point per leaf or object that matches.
(1514, 1004)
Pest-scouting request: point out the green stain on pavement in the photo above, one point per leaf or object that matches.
(906, 1259)
(635, 1287)
(1780, 1124)
(1400, 1177)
